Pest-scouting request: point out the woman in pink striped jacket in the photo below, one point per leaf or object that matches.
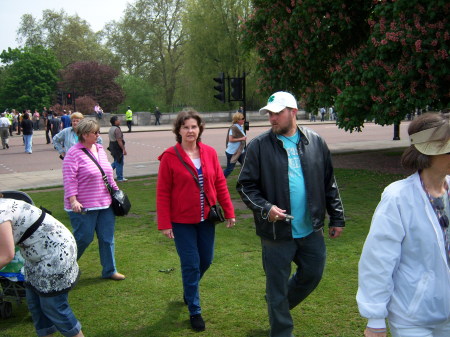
(86, 198)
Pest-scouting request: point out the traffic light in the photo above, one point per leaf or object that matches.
(69, 98)
(220, 87)
(59, 97)
(236, 88)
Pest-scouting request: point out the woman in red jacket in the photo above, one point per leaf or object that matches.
(183, 210)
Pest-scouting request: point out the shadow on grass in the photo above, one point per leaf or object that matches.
(85, 282)
(257, 333)
(168, 323)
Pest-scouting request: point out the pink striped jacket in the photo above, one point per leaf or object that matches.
(82, 178)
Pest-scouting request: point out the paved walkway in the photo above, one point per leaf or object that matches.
(52, 178)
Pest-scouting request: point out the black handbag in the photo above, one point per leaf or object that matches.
(119, 200)
(215, 212)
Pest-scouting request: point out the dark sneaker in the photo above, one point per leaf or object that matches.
(197, 322)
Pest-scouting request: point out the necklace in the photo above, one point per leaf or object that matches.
(296, 136)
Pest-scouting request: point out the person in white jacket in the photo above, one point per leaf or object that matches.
(404, 273)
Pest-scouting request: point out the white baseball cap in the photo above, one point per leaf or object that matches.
(278, 101)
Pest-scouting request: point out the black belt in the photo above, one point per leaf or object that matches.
(30, 230)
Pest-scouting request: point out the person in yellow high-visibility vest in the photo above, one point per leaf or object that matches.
(10, 117)
(129, 118)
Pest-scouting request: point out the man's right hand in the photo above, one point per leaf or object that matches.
(276, 214)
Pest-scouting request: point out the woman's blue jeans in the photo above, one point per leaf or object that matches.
(230, 166)
(51, 314)
(28, 140)
(102, 222)
(195, 247)
(284, 293)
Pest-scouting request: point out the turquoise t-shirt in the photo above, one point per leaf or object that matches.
(301, 224)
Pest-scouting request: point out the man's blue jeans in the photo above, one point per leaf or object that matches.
(118, 166)
(51, 314)
(195, 247)
(282, 293)
(102, 222)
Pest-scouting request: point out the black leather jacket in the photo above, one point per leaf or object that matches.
(264, 182)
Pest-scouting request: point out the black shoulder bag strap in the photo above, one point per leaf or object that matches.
(104, 177)
(193, 175)
(30, 230)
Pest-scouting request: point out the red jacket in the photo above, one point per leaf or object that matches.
(177, 193)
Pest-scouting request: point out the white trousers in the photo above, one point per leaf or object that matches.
(438, 330)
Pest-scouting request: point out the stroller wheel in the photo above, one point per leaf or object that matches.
(6, 309)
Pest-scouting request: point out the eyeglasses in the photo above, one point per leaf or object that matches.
(443, 219)
(96, 132)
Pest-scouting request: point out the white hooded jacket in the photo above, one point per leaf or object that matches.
(403, 270)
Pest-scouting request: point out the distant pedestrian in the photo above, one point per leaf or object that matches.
(117, 147)
(10, 116)
(129, 118)
(47, 123)
(235, 143)
(157, 116)
(27, 128)
(98, 111)
(312, 116)
(4, 130)
(35, 119)
(65, 120)
(55, 125)
(322, 114)
(330, 113)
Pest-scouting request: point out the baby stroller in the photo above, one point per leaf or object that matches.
(12, 287)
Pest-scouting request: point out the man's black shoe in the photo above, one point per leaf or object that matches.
(197, 322)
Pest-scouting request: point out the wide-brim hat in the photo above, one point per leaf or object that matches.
(278, 101)
(433, 141)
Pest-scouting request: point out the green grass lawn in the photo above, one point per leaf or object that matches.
(149, 302)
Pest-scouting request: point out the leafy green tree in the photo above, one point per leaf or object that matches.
(215, 45)
(148, 41)
(29, 77)
(139, 94)
(374, 59)
(69, 36)
(95, 80)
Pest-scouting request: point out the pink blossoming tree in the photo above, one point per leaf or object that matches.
(372, 59)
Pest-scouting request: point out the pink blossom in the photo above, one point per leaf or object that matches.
(418, 45)
(384, 41)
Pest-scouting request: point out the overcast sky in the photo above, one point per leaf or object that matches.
(95, 12)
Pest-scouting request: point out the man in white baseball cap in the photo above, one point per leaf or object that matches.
(287, 181)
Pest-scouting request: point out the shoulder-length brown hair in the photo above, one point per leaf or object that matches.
(411, 157)
(183, 116)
